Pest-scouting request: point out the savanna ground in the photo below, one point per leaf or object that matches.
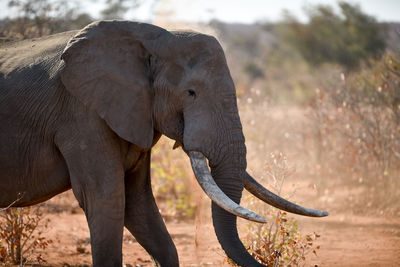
(346, 239)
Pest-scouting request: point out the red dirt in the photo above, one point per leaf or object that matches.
(346, 240)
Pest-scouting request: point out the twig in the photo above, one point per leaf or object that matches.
(20, 196)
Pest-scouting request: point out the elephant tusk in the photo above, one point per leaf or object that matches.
(274, 200)
(207, 183)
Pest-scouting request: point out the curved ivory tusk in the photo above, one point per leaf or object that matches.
(207, 183)
(274, 200)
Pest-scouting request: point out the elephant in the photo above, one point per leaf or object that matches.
(81, 110)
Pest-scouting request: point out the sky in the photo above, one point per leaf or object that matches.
(242, 11)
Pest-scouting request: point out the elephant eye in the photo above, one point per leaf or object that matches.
(191, 93)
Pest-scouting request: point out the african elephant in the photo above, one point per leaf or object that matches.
(82, 110)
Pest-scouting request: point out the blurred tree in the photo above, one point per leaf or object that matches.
(348, 38)
(116, 9)
(32, 19)
(254, 71)
(35, 18)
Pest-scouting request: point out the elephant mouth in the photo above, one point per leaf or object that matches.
(177, 144)
(207, 183)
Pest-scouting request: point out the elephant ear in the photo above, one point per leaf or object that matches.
(106, 69)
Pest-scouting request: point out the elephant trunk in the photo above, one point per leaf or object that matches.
(226, 231)
(215, 193)
(229, 176)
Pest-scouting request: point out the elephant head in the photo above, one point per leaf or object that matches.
(142, 79)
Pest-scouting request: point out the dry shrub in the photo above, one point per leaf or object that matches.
(357, 133)
(172, 183)
(21, 235)
(280, 241)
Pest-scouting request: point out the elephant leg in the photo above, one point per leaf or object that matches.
(97, 180)
(143, 219)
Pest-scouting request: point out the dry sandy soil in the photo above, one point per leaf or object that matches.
(346, 240)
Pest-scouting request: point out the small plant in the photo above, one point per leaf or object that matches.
(280, 242)
(21, 235)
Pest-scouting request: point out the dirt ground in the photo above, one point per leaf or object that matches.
(346, 240)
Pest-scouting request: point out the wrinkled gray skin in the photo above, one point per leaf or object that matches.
(82, 110)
